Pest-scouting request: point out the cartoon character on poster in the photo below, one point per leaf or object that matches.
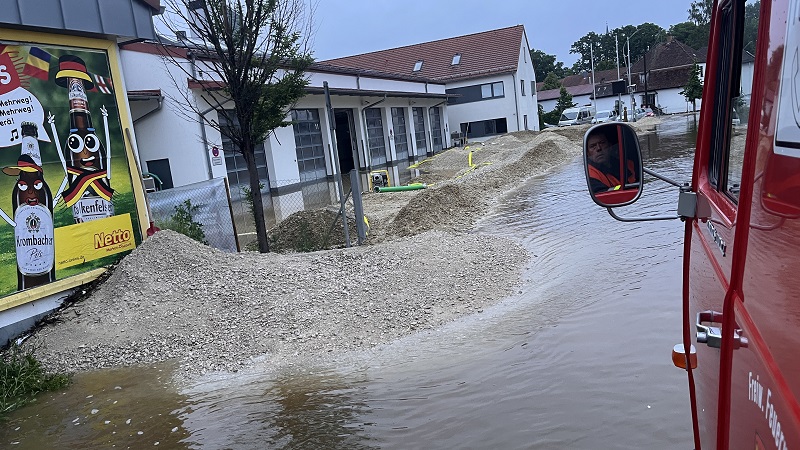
(31, 198)
(86, 188)
(32, 202)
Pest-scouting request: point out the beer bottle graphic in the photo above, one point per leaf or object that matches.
(33, 217)
(88, 192)
(30, 141)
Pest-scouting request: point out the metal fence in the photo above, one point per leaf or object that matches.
(286, 197)
(209, 211)
(225, 213)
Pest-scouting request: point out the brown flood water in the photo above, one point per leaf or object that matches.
(578, 359)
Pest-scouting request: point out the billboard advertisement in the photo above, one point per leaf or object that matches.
(67, 203)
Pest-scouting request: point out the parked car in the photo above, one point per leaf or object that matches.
(639, 113)
(649, 112)
(577, 116)
(604, 116)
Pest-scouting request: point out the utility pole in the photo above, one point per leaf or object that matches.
(619, 94)
(591, 58)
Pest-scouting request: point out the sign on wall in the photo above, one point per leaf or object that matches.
(66, 196)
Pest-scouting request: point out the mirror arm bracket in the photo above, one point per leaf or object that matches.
(640, 219)
(687, 205)
(662, 177)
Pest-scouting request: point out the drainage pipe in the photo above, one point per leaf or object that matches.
(410, 187)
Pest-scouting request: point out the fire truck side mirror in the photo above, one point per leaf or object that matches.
(613, 164)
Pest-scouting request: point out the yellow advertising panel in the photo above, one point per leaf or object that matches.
(89, 241)
(69, 205)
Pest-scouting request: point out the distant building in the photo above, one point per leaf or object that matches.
(657, 80)
(489, 77)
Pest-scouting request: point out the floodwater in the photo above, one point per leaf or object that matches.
(578, 359)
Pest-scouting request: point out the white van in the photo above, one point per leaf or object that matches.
(577, 116)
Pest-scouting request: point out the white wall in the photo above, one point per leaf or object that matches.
(526, 104)
(174, 133)
(493, 108)
(167, 133)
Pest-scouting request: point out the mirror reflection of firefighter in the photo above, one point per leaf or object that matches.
(88, 192)
(33, 219)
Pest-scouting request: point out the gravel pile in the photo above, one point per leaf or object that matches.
(175, 299)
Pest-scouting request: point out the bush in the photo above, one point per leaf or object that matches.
(22, 378)
(183, 222)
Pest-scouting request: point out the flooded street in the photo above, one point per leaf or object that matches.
(579, 358)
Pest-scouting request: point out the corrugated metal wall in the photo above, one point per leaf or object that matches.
(123, 18)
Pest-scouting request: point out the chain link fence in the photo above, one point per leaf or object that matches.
(222, 216)
(200, 210)
(286, 197)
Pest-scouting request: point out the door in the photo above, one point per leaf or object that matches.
(765, 366)
(345, 140)
(733, 360)
(400, 134)
(713, 247)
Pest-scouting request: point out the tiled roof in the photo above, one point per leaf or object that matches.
(668, 54)
(482, 54)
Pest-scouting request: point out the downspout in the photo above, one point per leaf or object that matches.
(516, 99)
(200, 115)
(366, 132)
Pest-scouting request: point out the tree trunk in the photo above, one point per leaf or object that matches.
(255, 192)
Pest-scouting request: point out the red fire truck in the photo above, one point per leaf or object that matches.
(741, 212)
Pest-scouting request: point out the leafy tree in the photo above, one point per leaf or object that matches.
(700, 11)
(255, 53)
(695, 36)
(607, 44)
(693, 89)
(544, 64)
(751, 13)
(564, 101)
(551, 81)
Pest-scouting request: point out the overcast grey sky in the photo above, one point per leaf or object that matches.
(349, 27)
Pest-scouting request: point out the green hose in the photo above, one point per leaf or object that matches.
(410, 187)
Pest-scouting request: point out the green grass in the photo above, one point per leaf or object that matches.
(22, 378)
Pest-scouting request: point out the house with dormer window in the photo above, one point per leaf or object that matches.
(488, 77)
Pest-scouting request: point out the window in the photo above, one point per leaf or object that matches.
(456, 59)
(436, 128)
(238, 176)
(474, 93)
(308, 144)
(522, 86)
(419, 130)
(400, 134)
(497, 89)
(731, 102)
(492, 90)
(533, 87)
(418, 66)
(375, 137)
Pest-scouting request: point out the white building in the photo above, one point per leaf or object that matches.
(382, 122)
(489, 74)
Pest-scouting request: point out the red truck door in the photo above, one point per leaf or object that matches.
(765, 355)
(745, 258)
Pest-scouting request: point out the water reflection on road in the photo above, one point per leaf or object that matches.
(578, 359)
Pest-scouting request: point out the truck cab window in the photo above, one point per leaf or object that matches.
(734, 84)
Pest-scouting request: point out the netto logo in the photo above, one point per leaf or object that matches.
(33, 223)
(115, 237)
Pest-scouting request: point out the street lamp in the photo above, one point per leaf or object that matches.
(628, 44)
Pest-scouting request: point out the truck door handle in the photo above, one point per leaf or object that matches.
(712, 336)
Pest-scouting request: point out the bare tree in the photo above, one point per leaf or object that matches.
(248, 54)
